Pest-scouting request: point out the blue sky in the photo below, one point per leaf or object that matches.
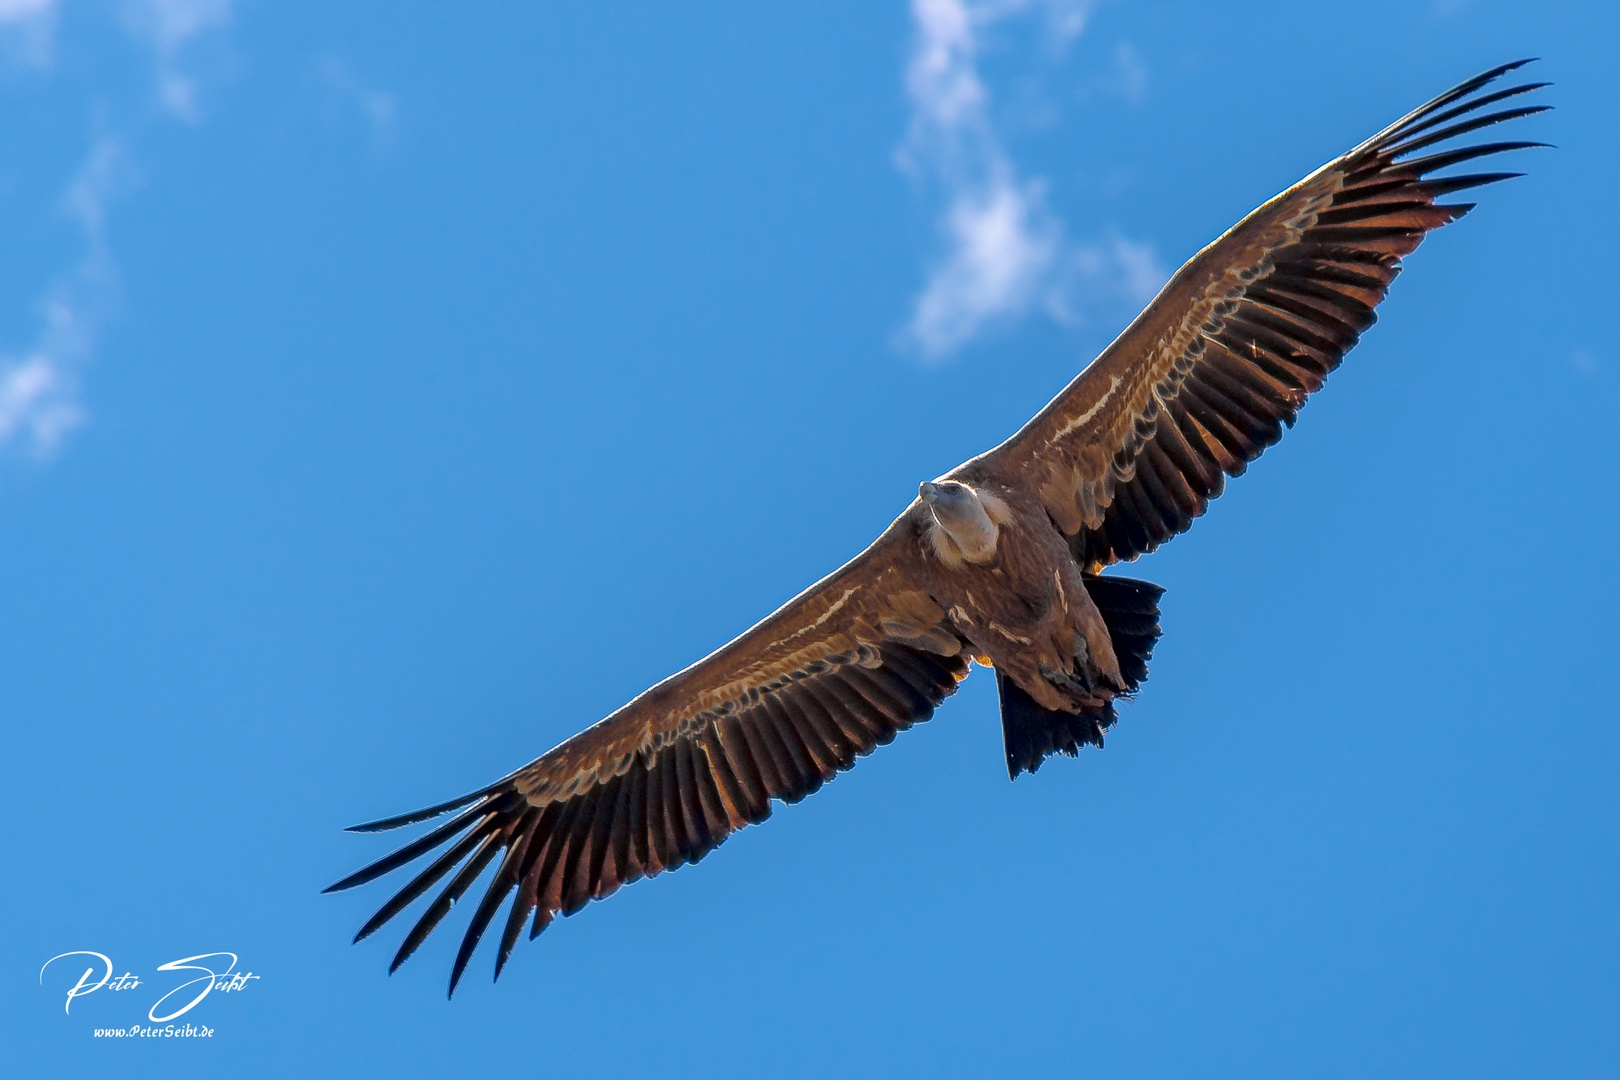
(389, 391)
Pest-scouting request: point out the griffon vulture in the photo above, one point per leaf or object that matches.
(999, 561)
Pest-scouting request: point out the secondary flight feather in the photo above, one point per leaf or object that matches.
(999, 561)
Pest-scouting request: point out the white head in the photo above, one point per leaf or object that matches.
(964, 528)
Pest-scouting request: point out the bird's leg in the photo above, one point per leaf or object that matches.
(1076, 682)
(1094, 646)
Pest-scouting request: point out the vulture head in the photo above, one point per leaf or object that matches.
(963, 528)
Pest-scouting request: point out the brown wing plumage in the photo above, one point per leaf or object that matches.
(1198, 386)
(1224, 357)
(835, 673)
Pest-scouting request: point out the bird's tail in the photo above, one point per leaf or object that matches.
(1031, 733)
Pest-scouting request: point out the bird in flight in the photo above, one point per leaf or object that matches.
(999, 561)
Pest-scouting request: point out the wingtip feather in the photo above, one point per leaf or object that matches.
(415, 816)
(1406, 124)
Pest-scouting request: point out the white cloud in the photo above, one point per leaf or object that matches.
(1003, 246)
(171, 23)
(35, 405)
(1113, 275)
(27, 28)
(167, 27)
(1066, 19)
(1141, 276)
(93, 187)
(164, 26)
(39, 389)
(39, 385)
(1130, 77)
(1001, 243)
(15, 12)
(377, 109)
(999, 236)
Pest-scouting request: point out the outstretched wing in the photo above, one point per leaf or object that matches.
(1224, 357)
(861, 655)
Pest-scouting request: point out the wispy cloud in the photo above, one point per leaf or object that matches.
(377, 109)
(167, 27)
(1109, 274)
(27, 29)
(20, 11)
(39, 388)
(1004, 251)
(1129, 77)
(164, 27)
(1001, 241)
(39, 385)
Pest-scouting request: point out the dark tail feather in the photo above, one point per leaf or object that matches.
(1131, 610)
(1031, 733)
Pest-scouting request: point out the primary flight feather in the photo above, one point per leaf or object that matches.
(998, 561)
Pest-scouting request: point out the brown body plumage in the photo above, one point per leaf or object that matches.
(998, 561)
(1022, 605)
